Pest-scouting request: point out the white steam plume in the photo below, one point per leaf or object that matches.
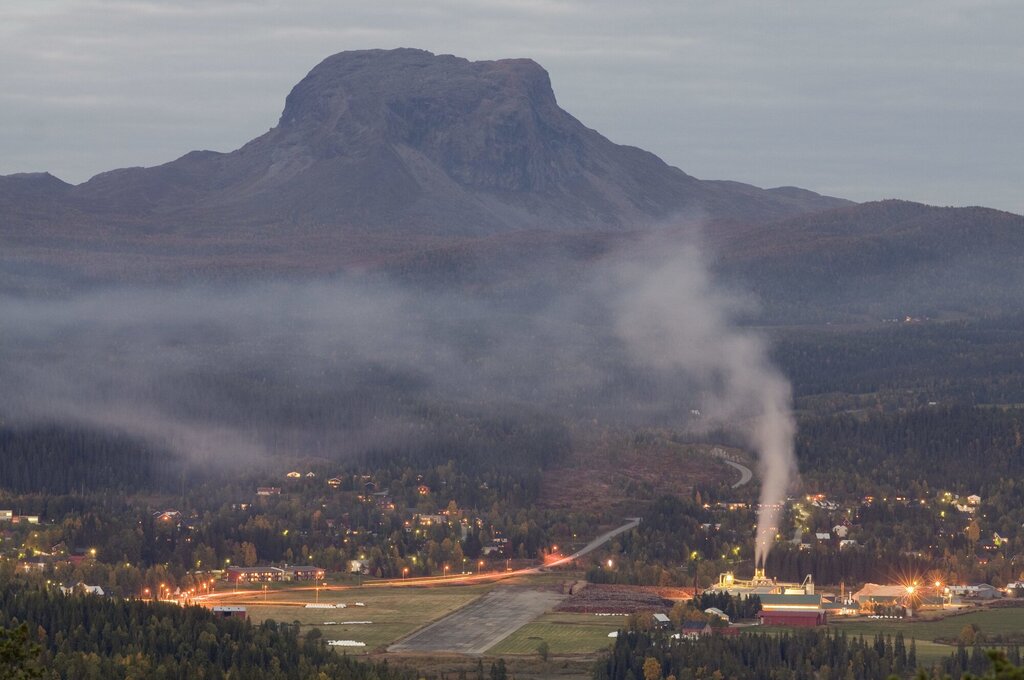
(675, 319)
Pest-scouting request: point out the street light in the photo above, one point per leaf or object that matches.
(405, 572)
(445, 572)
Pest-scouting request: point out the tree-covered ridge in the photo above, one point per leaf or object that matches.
(60, 459)
(85, 637)
(958, 447)
(906, 361)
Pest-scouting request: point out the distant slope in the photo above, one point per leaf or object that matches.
(880, 260)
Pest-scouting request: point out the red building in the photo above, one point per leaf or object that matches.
(792, 610)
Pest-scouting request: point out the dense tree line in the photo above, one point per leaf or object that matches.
(798, 655)
(968, 362)
(85, 637)
(56, 459)
(959, 448)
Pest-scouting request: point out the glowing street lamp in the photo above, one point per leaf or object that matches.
(405, 572)
(445, 572)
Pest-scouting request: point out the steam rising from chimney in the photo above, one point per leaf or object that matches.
(676, 319)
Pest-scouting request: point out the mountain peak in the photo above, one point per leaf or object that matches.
(380, 151)
(489, 124)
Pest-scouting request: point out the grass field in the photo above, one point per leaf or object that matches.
(395, 612)
(1005, 620)
(565, 633)
(1002, 620)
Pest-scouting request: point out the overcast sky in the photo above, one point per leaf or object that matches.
(916, 99)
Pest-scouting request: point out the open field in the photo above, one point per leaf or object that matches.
(483, 623)
(997, 620)
(925, 632)
(395, 612)
(566, 633)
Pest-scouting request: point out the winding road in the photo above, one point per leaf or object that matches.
(746, 474)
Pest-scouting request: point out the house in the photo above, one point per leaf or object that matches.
(715, 611)
(33, 565)
(423, 489)
(334, 482)
(974, 499)
(27, 519)
(823, 536)
(662, 621)
(268, 491)
(693, 630)
(225, 612)
(167, 516)
(294, 474)
(792, 610)
(311, 475)
(6, 515)
(431, 520)
(253, 574)
(841, 530)
(358, 566)
(847, 543)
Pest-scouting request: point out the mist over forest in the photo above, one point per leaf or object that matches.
(332, 367)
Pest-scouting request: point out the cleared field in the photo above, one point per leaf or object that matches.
(395, 612)
(565, 633)
(1005, 620)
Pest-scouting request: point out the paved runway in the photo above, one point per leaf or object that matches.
(482, 623)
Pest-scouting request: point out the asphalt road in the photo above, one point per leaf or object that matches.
(589, 547)
(745, 473)
(481, 624)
